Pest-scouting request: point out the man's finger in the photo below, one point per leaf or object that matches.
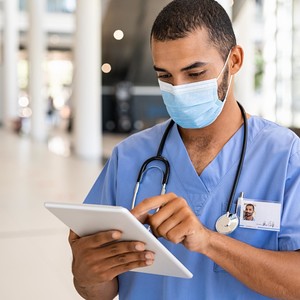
(142, 209)
(73, 237)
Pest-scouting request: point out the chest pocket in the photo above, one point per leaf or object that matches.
(257, 238)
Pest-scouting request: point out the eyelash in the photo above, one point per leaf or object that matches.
(197, 74)
(166, 76)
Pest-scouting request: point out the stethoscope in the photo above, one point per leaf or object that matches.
(226, 223)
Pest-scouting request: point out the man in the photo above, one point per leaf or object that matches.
(248, 213)
(196, 57)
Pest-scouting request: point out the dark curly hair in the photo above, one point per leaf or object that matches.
(180, 17)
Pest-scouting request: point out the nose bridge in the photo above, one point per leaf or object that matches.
(178, 79)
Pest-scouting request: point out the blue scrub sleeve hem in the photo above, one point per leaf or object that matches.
(290, 246)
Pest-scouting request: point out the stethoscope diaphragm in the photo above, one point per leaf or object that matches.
(227, 223)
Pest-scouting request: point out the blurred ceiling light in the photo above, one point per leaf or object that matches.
(106, 68)
(23, 101)
(118, 34)
(25, 112)
(58, 102)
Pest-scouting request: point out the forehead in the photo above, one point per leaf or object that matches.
(196, 46)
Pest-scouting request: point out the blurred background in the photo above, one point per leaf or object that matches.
(76, 77)
(38, 67)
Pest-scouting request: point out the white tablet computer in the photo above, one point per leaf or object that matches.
(86, 219)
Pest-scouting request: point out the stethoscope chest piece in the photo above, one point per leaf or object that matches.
(227, 223)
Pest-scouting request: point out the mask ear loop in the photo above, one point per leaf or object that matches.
(226, 61)
(230, 80)
(227, 89)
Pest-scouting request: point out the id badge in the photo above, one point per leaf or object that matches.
(260, 214)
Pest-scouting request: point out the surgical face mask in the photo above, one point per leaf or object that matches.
(194, 105)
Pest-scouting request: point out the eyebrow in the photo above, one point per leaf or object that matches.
(190, 67)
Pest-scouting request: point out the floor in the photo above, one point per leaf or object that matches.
(35, 257)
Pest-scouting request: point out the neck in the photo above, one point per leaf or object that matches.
(219, 132)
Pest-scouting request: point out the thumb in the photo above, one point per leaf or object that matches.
(73, 237)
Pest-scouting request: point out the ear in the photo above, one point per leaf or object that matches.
(236, 59)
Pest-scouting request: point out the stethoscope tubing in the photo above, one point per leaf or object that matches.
(166, 163)
(160, 158)
(241, 162)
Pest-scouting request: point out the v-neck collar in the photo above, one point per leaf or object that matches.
(211, 176)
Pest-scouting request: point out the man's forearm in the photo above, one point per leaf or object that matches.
(272, 273)
(103, 291)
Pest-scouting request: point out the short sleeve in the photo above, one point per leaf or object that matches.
(289, 237)
(104, 189)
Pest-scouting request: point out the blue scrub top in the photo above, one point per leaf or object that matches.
(270, 173)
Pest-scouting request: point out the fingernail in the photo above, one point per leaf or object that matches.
(149, 256)
(139, 247)
(116, 235)
(149, 262)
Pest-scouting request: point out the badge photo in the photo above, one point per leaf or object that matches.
(261, 215)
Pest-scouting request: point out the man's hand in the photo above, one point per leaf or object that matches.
(259, 269)
(174, 220)
(99, 258)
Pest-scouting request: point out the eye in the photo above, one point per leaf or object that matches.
(163, 76)
(197, 74)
